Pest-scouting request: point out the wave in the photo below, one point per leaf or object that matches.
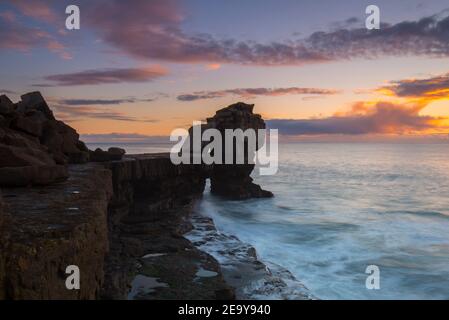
(241, 267)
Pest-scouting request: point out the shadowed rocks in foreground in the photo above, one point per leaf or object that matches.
(120, 220)
(35, 147)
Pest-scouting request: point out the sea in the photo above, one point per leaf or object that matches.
(339, 209)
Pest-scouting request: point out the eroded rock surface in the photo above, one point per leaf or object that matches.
(34, 146)
(233, 181)
(147, 219)
(4, 238)
(117, 221)
(112, 154)
(52, 227)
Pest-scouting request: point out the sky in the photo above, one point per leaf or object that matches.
(142, 68)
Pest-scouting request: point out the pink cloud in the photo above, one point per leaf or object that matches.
(106, 76)
(153, 29)
(8, 16)
(254, 92)
(17, 36)
(36, 9)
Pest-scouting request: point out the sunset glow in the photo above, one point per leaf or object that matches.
(162, 64)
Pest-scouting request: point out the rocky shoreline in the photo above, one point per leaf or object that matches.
(252, 278)
(120, 219)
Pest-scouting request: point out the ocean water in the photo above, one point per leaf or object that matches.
(339, 208)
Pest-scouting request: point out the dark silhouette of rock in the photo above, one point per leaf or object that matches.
(32, 123)
(4, 235)
(34, 101)
(113, 154)
(34, 146)
(32, 175)
(233, 181)
(106, 217)
(6, 106)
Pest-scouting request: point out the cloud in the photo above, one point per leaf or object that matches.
(380, 118)
(428, 36)
(37, 9)
(123, 138)
(6, 91)
(152, 29)
(431, 88)
(17, 36)
(106, 76)
(102, 102)
(72, 114)
(253, 92)
(8, 16)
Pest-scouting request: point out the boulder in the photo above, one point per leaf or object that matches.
(34, 101)
(116, 153)
(33, 123)
(63, 141)
(19, 157)
(113, 154)
(6, 105)
(34, 146)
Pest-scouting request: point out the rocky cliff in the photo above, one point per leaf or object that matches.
(34, 146)
(233, 181)
(120, 220)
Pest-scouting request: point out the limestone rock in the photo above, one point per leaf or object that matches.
(12, 156)
(35, 101)
(4, 235)
(6, 105)
(113, 154)
(32, 175)
(233, 181)
(33, 142)
(52, 227)
(33, 123)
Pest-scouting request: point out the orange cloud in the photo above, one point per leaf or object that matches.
(366, 118)
(428, 89)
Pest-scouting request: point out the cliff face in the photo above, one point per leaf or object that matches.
(53, 227)
(105, 219)
(121, 222)
(4, 235)
(147, 218)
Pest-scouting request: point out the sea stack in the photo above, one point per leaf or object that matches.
(233, 181)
